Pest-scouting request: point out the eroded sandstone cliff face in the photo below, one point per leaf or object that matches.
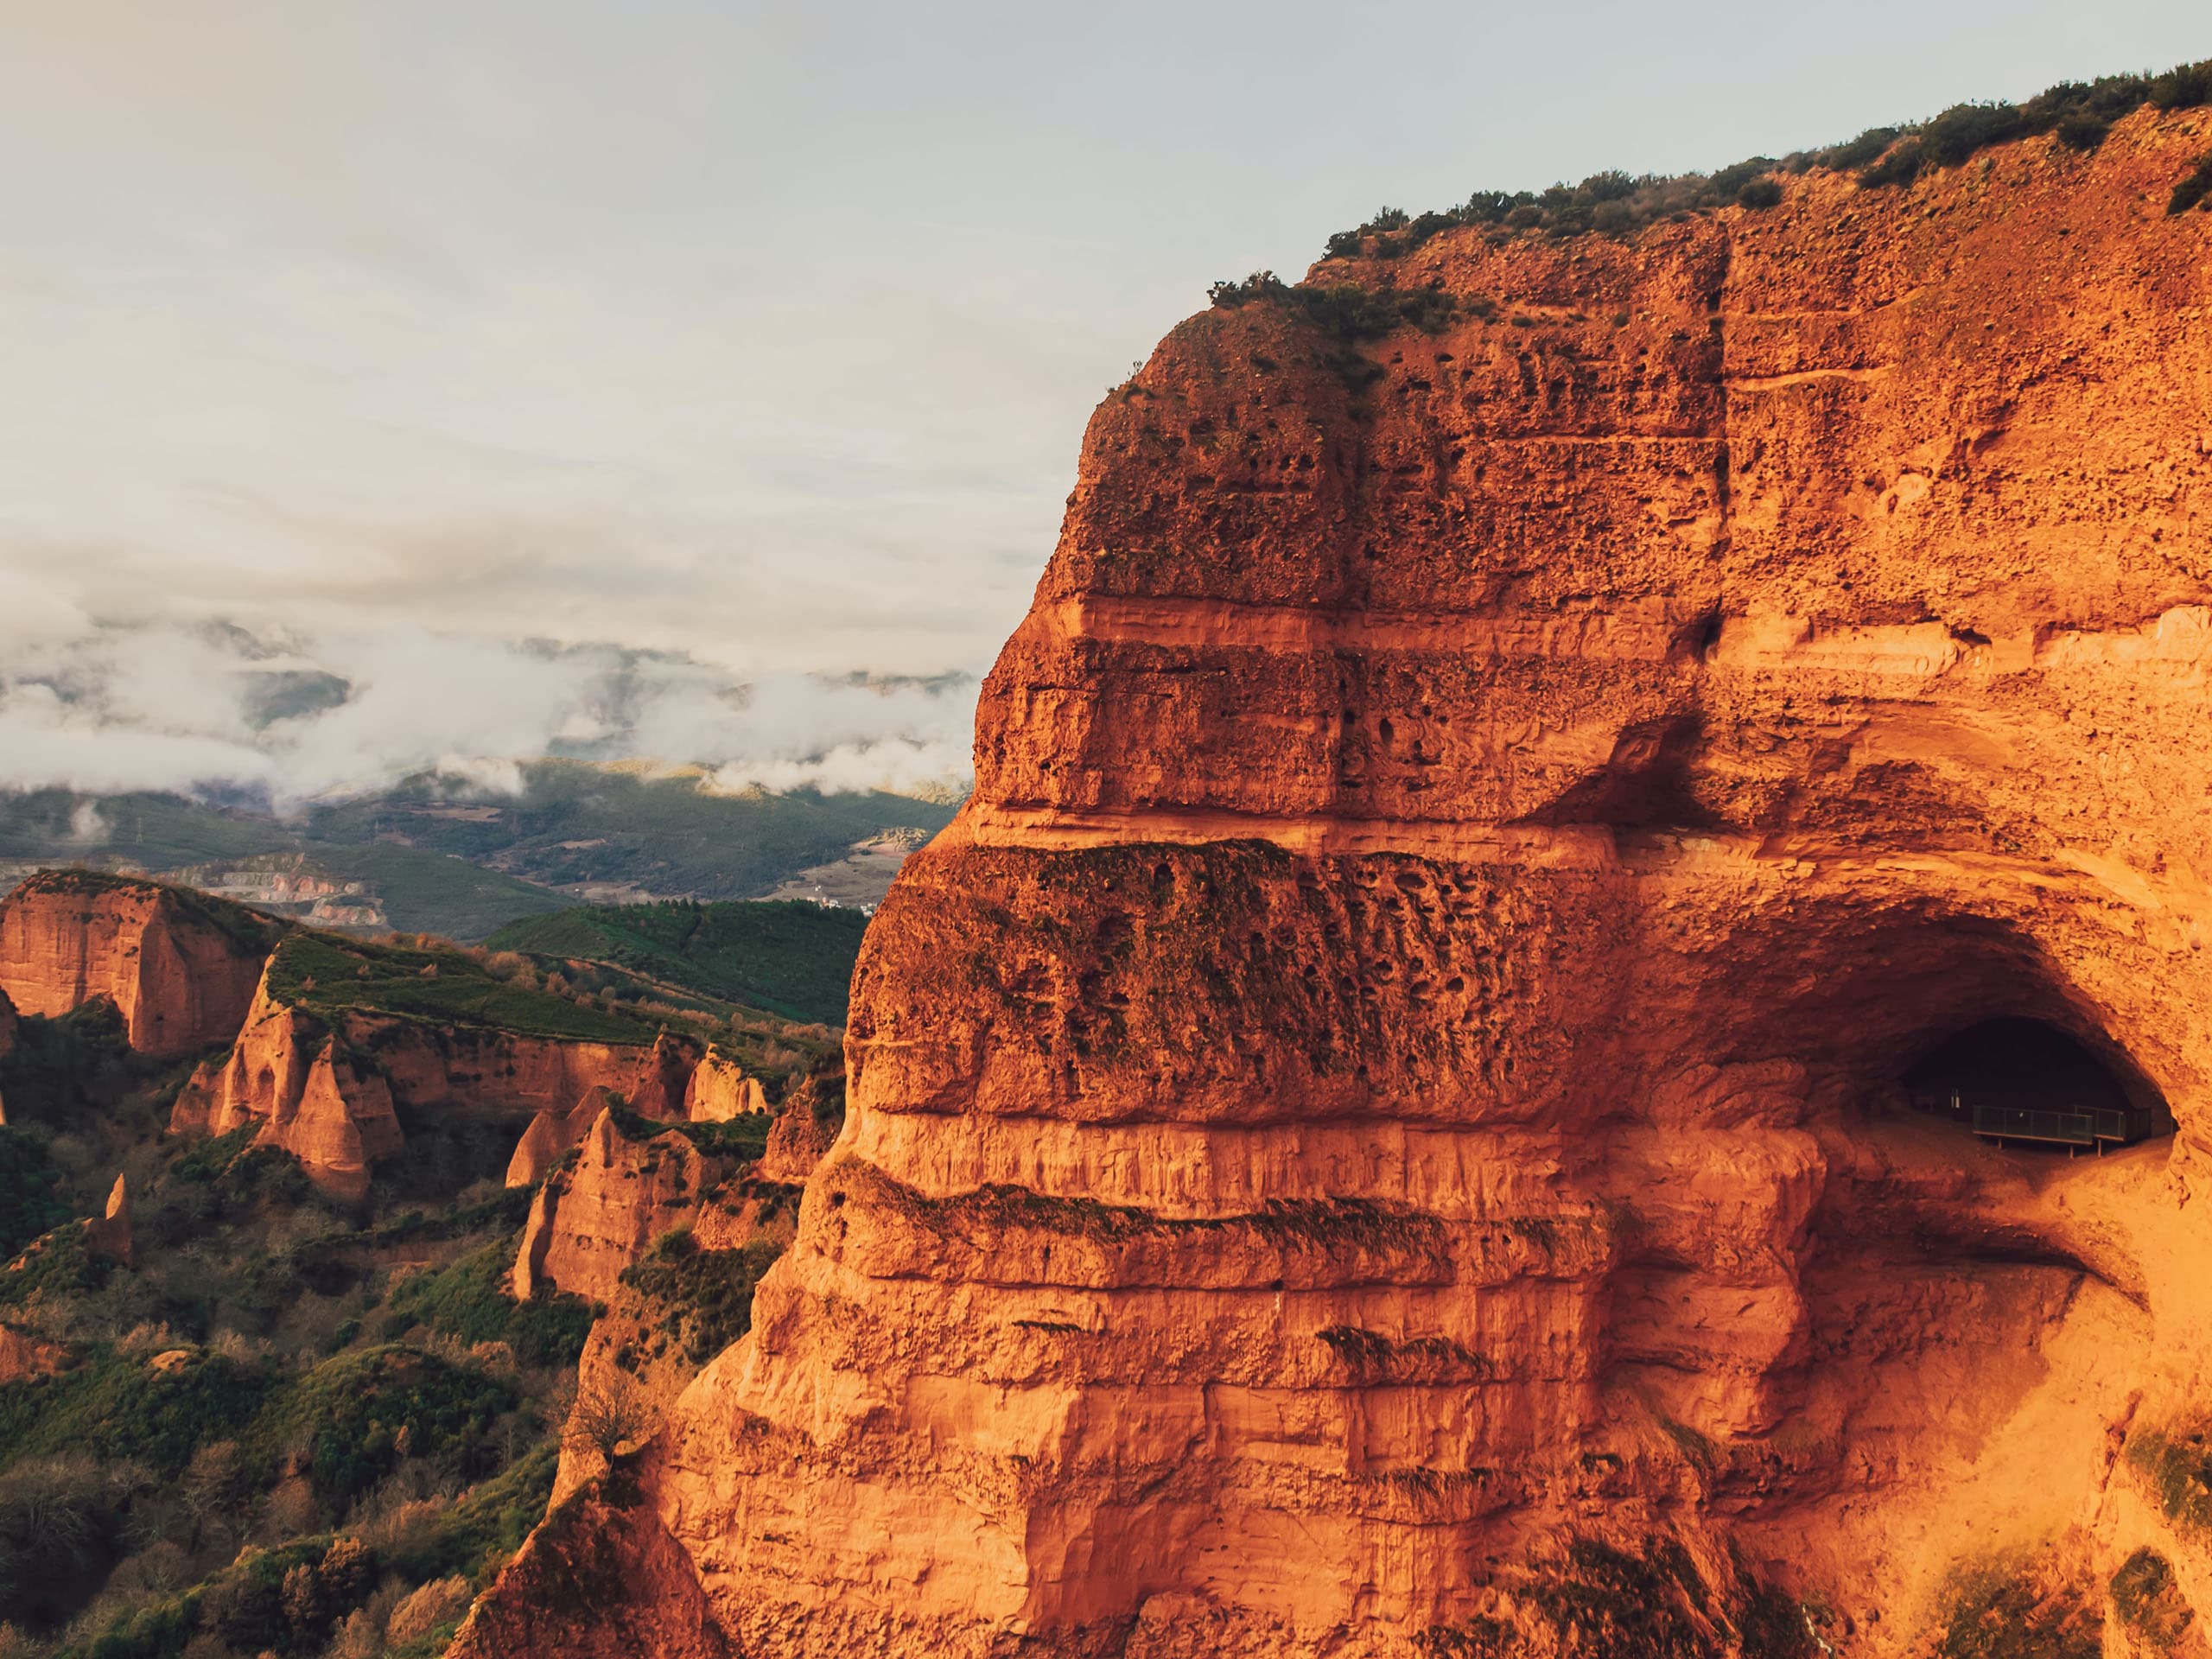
(1379, 1129)
(595, 1217)
(328, 1083)
(181, 968)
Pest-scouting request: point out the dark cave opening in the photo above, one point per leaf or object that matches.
(2020, 1082)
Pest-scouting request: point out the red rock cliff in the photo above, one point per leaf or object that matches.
(1383, 1117)
(180, 966)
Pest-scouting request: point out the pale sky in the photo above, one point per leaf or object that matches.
(550, 371)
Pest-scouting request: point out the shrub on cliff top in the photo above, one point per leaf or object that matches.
(1346, 311)
(2193, 188)
(2079, 112)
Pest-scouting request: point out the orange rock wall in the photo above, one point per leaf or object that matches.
(330, 1096)
(719, 1090)
(600, 1216)
(181, 982)
(1394, 1067)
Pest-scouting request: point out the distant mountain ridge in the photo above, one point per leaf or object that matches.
(434, 854)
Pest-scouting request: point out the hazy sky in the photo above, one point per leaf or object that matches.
(549, 372)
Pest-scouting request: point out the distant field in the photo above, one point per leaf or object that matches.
(577, 826)
(789, 958)
(458, 863)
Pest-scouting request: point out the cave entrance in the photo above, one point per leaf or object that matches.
(2023, 1082)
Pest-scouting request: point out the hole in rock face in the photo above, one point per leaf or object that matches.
(2024, 1082)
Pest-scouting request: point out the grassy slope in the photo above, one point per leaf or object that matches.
(791, 958)
(437, 892)
(327, 973)
(156, 832)
(299, 1336)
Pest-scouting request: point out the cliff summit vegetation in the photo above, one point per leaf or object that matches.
(2080, 113)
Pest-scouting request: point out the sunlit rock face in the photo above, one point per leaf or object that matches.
(180, 968)
(1385, 1111)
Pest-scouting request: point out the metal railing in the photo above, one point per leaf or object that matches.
(2034, 1123)
(2075, 1128)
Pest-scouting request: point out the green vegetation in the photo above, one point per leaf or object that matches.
(446, 857)
(358, 1414)
(435, 892)
(327, 974)
(573, 825)
(1600, 1602)
(705, 1297)
(2178, 1464)
(2195, 187)
(2149, 1604)
(1616, 204)
(791, 958)
(2009, 1611)
(116, 1407)
(469, 1300)
(293, 1421)
(1347, 311)
(295, 1426)
(30, 1201)
(153, 832)
(743, 1138)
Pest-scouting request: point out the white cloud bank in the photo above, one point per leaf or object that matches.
(191, 709)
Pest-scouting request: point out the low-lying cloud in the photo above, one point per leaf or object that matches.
(218, 708)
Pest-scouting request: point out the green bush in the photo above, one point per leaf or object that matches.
(30, 1192)
(115, 1407)
(706, 1296)
(2193, 189)
(2149, 1603)
(1345, 311)
(358, 1414)
(469, 1300)
(475, 1536)
(1612, 203)
(2002, 1613)
(2178, 1467)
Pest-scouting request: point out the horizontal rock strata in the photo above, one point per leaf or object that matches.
(1388, 1098)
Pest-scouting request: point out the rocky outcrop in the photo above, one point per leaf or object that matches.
(1379, 1127)
(25, 1357)
(552, 1135)
(798, 1140)
(328, 1086)
(591, 1582)
(428, 1064)
(180, 967)
(599, 1215)
(666, 1087)
(108, 1234)
(317, 1094)
(719, 1090)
